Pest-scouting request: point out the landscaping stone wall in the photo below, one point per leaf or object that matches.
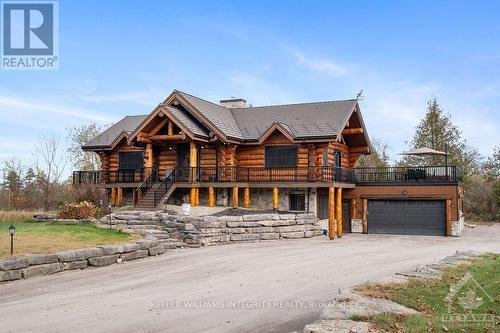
(207, 230)
(43, 264)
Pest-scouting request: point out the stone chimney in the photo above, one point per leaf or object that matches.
(234, 103)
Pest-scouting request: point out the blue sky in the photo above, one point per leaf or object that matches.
(123, 57)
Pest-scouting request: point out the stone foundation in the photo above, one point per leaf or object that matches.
(457, 227)
(357, 226)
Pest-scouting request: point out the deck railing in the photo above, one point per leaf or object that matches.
(424, 174)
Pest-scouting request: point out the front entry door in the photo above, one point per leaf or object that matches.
(183, 161)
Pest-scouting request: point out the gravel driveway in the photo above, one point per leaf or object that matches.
(274, 286)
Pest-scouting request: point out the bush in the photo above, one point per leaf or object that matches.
(82, 210)
(90, 193)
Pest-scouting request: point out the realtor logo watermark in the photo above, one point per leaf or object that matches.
(463, 301)
(30, 38)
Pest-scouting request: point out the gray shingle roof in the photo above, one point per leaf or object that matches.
(106, 138)
(219, 116)
(303, 120)
(191, 124)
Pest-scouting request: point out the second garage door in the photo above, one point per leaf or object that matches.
(407, 217)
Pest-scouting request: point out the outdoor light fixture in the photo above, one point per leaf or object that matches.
(12, 231)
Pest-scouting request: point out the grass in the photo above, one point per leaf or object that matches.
(428, 297)
(44, 237)
(15, 215)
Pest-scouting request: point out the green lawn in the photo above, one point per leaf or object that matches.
(428, 297)
(44, 237)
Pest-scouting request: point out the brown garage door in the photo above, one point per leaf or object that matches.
(346, 211)
(407, 217)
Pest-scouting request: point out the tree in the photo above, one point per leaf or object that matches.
(377, 158)
(13, 174)
(436, 131)
(79, 136)
(491, 167)
(50, 168)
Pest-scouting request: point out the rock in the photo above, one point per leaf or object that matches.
(306, 216)
(41, 258)
(215, 224)
(350, 304)
(39, 270)
(294, 234)
(172, 224)
(173, 245)
(82, 254)
(244, 237)
(210, 232)
(276, 223)
(261, 230)
(104, 260)
(236, 230)
(12, 264)
(80, 264)
(338, 326)
(65, 221)
(118, 248)
(123, 217)
(155, 250)
(308, 234)
(45, 216)
(236, 218)
(422, 272)
(210, 218)
(145, 244)
(142, 254)
(306, 221)
(291, 228)
(243, 224)
(287, 216)
(140, 222)
(151, 216)
(259, 217)
(188, 227)
(130, 255)
(269, 236)
(10, 275)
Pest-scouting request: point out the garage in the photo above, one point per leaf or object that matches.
(407, 217)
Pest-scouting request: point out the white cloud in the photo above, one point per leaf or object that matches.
(139, 97)
(318, 65)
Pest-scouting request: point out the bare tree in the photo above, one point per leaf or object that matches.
(51, 165)
(78, 136)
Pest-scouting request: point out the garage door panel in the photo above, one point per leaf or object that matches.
(407, 217)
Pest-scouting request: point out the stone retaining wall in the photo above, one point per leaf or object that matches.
(43, 264)
(208, 230)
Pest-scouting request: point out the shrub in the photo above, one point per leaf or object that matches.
(90, 193)
(81, 210)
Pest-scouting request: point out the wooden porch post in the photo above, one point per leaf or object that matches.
(197, 197)
(113, 196)
(211, 197)
(192, 197)
(275, 198)
(235, 197)
(339, 212)
(120, 197)
(149, 160)
(353, 208)
(193, 163)
(365, 216)
(448, 217)
(331, 212)
(246, 197)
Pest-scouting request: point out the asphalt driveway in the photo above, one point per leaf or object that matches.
(274, 286)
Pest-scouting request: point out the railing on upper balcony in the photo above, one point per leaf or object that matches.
(414, 174)
(262, 174)
(424, 174)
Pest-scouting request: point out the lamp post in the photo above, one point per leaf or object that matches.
(12, 231)
(110, 211)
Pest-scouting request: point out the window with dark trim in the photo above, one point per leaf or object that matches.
(338, 159)
(131, 161)
(297, 202)
(281, 157)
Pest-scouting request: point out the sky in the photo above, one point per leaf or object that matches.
(120, 58)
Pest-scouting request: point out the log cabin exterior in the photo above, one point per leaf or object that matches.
(296, 157)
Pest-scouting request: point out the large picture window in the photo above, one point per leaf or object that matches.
(281, 156)
(131, 161)
(297, 202)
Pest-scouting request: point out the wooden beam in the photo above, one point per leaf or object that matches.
(365, 216)
(235, 197)
(448, 217)
(197, 197)
(119, 197)
(113, 196)
(141, 137)
(170, 128)
(164, 137)
(246, 197)
(351, 131)
(211, 197)
(275, 198)
(364, 150)
(331, 212)
(192, 197)
(353, 209)
(193, 163)
(338, 211)
(158, 127)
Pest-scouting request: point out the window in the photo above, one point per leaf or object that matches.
(281, 157)
(338, 159)
(297, 202)
(131, 161)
